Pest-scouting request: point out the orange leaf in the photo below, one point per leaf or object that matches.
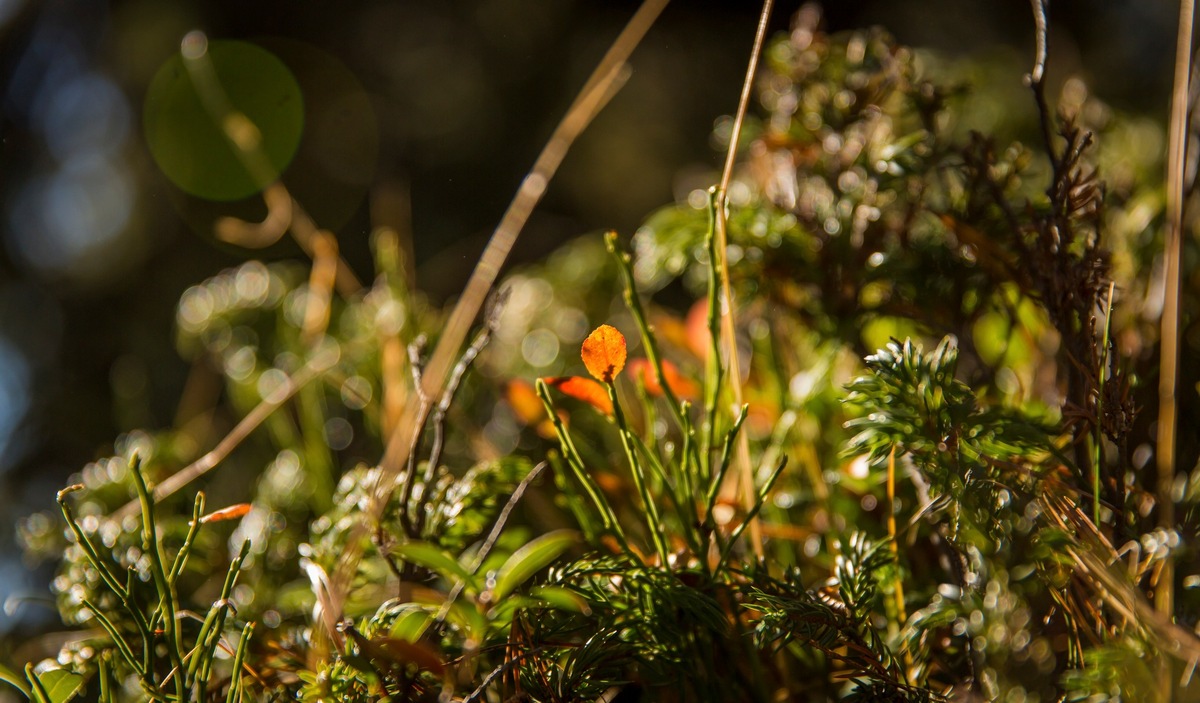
(525, 403)
(697, 329)
(604, 353)
(584, 389)
(528, 408)
(682, 386)
(670, 329)
(233, 512)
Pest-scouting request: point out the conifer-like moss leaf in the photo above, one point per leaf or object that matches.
(464, 508)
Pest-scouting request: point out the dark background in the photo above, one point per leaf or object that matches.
(96, 246)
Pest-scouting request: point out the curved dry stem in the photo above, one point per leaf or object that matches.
(321, 281)
(256, 235)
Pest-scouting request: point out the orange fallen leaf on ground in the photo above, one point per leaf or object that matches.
(682, 386)
(584, 389)
(604, 353)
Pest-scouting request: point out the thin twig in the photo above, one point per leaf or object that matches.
(319, 364)
(1037, 81)
(1103, 376)
(439, 420)
(410, 472)
(1039, 38)
(499, 671)
(492, 538)
(728, 326)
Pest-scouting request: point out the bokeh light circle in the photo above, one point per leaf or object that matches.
(186, 142)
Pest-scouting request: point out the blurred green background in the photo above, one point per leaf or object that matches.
(431, 111)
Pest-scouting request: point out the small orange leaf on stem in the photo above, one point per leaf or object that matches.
(604, 353)
(233, 512)
(584, 389)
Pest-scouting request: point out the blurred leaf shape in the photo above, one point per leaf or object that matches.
(584, 389)
(682, 386)
(60, 685)
(187, 143)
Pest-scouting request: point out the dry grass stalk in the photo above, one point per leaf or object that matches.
(728, 326)
(1164, 600)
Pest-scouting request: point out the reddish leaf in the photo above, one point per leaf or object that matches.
(604, 353)
(671, 330)
(584, 389)
(233, 512)
(528, 408)
(525, 403)
(682, 386)
(697, 329)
